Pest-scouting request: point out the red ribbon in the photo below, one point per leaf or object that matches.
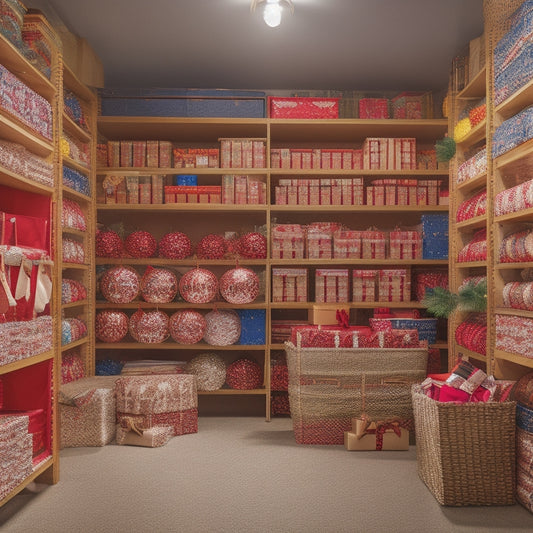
(343, 320)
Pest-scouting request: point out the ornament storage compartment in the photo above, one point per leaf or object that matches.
(465, 452)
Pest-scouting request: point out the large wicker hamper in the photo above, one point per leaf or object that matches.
(466, 452)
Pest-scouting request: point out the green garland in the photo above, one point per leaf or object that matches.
(442, 302)
(445, 149)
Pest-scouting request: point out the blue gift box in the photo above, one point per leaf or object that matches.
(253, 326)
(186, 179)
(435, 236)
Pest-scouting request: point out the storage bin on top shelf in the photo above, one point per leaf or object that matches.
(182, 103)
(302, 107)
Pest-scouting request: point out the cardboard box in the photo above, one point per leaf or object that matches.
(364, 436)
(325, 315)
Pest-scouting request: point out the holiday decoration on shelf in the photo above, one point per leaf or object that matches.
(149, 327)
(209, 369)
(111, 326)
(223, 327)
(445, 149)
(252, 246)
(141, 244)
(239, 286)
(187, 326)
(109, 244)
(158, 285)
(244, 374)
(211, 247)
(198, 286)
(471, 297)
(175, 245)
(120, 284)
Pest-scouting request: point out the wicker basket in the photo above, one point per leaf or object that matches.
(466, 452)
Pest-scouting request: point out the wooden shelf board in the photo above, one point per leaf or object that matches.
(471, 354)
(176, 346)
(160, 261)
(28, 361)
(472, 184)
(471, 264)
(170, 208)
(516, 102)
(20, 134)
(351, 305)
(179, 305)
(513, 312)
(512, 266)
(476, 87)
(517, 159)
(472, 223)
(77, 131)
(72, 82)
(69, 162)
(71, 305)
(360, 208)
(17, 64)
(143, 171)
(476, 134)
(357, 172)
(72, 231)
(357, 262)
(71, 193)
(526, 215)
(16, 181)
(514, 358)
(75, 344)
(41, 468)
(234, 392)
(74, 266)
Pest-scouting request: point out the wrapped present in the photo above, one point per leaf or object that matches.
(369, 435)
(331, 285)
(289, 284)
(328, 336)
(288, 241)
(253, 326)
(153, 437)
(165, 400)
(87, 412)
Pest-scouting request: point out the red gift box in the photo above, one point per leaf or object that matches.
(305, 107)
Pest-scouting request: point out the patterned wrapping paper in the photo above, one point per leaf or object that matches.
(288, 241)
(524, 468)
(153, 437)
(87, 411)
(518, 295)
(405, 245)
(76, 180)
(472, 334)
(72, 216)
(513, 132)
(514, 334)
(72, 329)
(25, 339)
(517, 247)
(25, 104)
(514, 199)
(472, 167)
(472, 207)
(476, 249)
(16, 158)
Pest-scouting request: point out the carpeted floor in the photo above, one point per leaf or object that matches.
(244, 475)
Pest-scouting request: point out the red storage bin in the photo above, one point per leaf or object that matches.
(308, 107)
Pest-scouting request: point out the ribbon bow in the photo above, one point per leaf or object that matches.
(343, 320)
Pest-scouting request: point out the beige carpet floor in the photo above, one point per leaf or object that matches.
(244, 475)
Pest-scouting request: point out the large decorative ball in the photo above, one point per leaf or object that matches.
(111, 326)
(244, 374)
(211, 247)
(239, 285)
(175, 245)
(198, 286)
(120, 284)
(159, 285)
(253, 246)
(209, 369)
(108, 244)
(187, 326)
(141, 244)
(223, 327)
(149, 327)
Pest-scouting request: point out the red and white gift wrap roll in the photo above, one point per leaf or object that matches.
(211, 247)
(141, 244)
(209, 369)
(149, 327)
(198, 286)
(252, 246)
(111, 326)
(109, 244)
(187, 326)
(244, 374)
(120, 284)
(175, 245)
(239, 285)
(223, 327)
(158, 285)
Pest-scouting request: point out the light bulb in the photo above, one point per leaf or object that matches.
(272, 13)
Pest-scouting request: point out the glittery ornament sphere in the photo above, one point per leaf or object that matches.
(239, 286)
(211, 247)
(175, 245)
(253, 246)
(108, 244)
(111, 326)
(198, 286)
(223, 327)
(158, 285)
(120, 285)
(209, 369)
(244, 374)
(141, 244)
(150, 327)
(187, 326)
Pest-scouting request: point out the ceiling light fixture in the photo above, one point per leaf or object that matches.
(272, 10)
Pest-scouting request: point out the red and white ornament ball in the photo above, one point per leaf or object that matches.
(187, 326)
(223, 327)
(209, 369)
(244, 374)
(159, 285)
(239, 285)
(198, 286)
(149, 327)
(120, 284)
(111, 326)
(175, 245)
(108, 244)
(141, 244)
(253, 246)
(211, 247)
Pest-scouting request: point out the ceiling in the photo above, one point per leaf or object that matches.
(325, 44)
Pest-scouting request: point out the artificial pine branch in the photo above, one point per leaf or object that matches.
(445, 149)
(473, 297)
(440, 302)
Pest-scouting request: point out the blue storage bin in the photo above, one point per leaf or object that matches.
(253, 326)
